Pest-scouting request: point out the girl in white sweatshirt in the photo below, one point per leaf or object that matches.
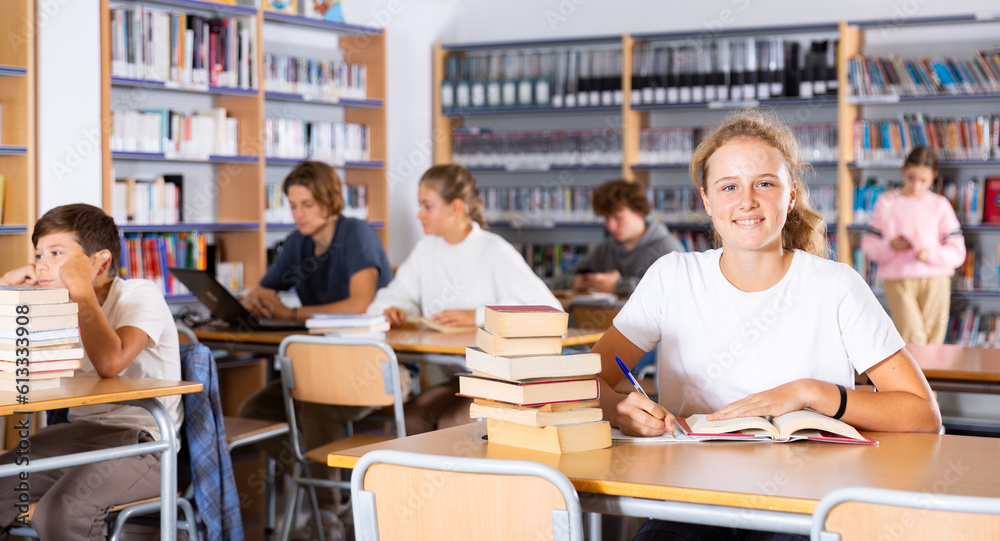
(451, 275)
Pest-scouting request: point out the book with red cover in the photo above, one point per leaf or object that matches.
(991, 201)
(529, 393)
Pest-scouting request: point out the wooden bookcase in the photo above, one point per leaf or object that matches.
(949, 36)
(239, 182)
(237, 189)
(901, 38)
(632, 118)
(17, 133)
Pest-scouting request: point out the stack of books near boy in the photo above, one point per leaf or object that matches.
(348, 325)
(50, 338)
(531, 393)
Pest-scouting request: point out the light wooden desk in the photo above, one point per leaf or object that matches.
(958, 368)
(86, 390)
(764, 486)
(408, 339)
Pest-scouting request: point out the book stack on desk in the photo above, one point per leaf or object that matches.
(531, 394)
(348, 325)
(39, 338)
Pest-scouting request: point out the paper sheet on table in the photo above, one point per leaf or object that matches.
(681, 437)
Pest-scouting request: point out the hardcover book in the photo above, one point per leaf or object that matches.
(991, 202)
(528, 393)
(498, 345)
(545, 415)
(521, 367)
(551, 439)
(40, 323)
(32, 295)
(45, 310)
(525, 321)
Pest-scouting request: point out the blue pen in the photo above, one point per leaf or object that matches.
(631, 379)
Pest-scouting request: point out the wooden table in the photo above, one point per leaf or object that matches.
(408, 339)
(85, 390)
(960, 369)
(764, 486)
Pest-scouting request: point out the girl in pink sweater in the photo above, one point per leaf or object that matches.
(917, 242)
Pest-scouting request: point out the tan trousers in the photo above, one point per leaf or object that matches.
(919, 308)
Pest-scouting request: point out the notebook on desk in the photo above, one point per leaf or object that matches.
(224, 305)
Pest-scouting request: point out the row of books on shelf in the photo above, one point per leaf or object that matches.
(732, 69)
(953, 138)
(972, 328)
(577, 77)
(149, 255)
(675, 145)
(49, 323)
(531, 393)
(333, 142)
(923, 76)
(975, 201)
(551, 260)
(537, 149)
(148, 202)
(539, 204)
(279, 211)
(543, 205)
(187, 49)
(968, 277)
(315, 79)
(175, 134)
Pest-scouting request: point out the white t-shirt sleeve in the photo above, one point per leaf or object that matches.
(141, 307)
(869, 334)
(641, 318)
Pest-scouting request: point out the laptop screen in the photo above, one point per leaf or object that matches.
(220, 301)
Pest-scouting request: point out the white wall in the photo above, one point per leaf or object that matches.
(412, 27)
(69, 103)
(489, 20)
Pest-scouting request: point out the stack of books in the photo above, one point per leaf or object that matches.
(531, 394)
(348, 325)
(39, 325)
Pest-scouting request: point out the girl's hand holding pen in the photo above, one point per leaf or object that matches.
(640, 416)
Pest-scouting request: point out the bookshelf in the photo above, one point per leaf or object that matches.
(224, 193)
(640, 113)
(889, 98)
(17, 133)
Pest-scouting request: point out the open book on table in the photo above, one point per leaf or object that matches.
(793, 426)
(448, 329)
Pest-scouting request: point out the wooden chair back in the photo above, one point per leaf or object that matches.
(432, 497)
(866, 513)
(348, 375)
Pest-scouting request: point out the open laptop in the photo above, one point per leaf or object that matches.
(224, 305)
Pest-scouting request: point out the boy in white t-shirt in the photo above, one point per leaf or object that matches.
(127, 330)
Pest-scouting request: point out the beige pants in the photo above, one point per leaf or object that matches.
(919, 308)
